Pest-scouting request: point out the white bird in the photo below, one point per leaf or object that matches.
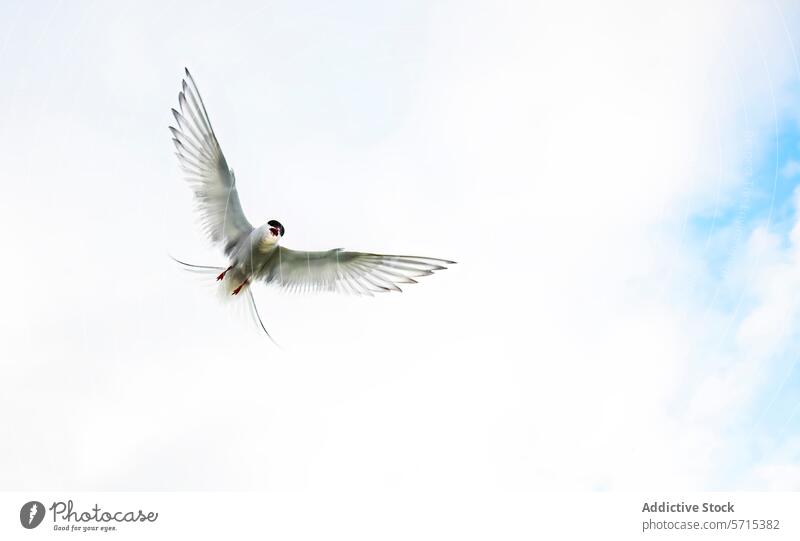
(254, 253)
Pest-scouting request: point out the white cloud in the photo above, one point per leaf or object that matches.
(791, 169)
(783, 473)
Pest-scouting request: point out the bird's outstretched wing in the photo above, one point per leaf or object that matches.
(346, 272)
(202, 161)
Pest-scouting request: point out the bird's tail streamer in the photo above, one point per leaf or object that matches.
(224, 290)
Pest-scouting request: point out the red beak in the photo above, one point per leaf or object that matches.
(274, 231)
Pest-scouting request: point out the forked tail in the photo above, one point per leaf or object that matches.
(224, 289)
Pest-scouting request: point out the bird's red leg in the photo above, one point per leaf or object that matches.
(222, 275)
(238, 289)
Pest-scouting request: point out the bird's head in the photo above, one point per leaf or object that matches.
(271, 233)
(275, 230)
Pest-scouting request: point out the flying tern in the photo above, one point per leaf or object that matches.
(255, 253)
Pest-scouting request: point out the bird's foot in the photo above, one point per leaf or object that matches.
(222, 274)
(238, 289)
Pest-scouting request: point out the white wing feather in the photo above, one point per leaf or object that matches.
(346, 272)
(202, 161)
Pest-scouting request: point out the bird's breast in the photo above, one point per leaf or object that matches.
(266, 244)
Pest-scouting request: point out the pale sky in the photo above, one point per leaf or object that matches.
(615, 181)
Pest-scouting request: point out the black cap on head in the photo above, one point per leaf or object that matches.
(278, 225)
